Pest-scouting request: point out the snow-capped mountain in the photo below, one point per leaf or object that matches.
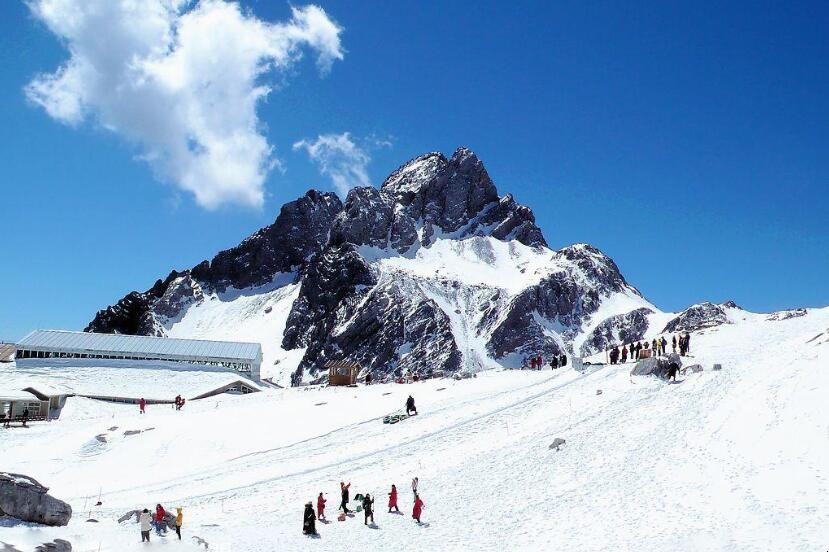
(433, 271)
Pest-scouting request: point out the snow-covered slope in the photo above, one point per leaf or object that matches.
(724, 460)
(433, 271)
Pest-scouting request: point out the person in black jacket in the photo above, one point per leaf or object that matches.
(368, 507)
(563, 360)
(410, 406)
(344, 493)
(309, 520)
(553, 362)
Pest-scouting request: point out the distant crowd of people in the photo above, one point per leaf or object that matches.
(644, 349)
(556, 361)
(365, 503)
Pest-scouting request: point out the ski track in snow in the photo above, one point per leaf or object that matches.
(724, 460)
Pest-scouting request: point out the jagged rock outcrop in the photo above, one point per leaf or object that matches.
(373, 280)
(299, 233)
(779, 316)
(698, 317)
(618, 329)
(23, 498)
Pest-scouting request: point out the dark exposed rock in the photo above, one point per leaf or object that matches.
(23, 498)
(618, 329)
(657, 366)
(351, 306)
(557, 443)
(698, 317)
(58, 545)
(786, 315)
(299, 232)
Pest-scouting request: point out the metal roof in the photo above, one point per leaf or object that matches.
(96, 343)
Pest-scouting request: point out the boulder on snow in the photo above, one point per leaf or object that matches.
(557, 442)
(58, 545)
(23, 498)
(718, 367)
(693, 368)
(657, 366)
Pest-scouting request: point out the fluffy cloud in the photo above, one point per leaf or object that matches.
(339, 158)
(181, 81)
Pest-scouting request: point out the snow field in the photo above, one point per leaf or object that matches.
(724, 460)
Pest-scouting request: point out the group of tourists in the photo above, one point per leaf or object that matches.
(158, 520)
(365, 503)
(657, 347)
(178, 404)
(556, 361)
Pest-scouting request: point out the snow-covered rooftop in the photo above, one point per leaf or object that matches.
(85, 342)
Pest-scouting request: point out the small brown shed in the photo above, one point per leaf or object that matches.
(343, 372)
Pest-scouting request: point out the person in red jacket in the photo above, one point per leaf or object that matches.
(141, 404)
(393, 500)
(320, 507)
(418, 508)
(160, 524)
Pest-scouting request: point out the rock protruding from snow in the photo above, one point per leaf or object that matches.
(557, 443)
(698, 317)
(617, 329)
(58, 545)
(657, 366)
(779, 316)
(23, 498)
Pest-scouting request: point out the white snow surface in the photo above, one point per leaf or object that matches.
(724, 460)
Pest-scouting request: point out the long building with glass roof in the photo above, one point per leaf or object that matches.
(245, 358)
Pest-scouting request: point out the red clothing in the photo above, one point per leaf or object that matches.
(159, 514)
(320, 505)
(418, 509)
(393, 498)
(141, 404)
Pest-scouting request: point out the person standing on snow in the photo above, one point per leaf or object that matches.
(624, 354)
(179, 521)
(368, 508)
(146, 522)
(393, 499)
(309, 524)
(687, 343)
(553, 363)
(320, 507)
(141, 405)
(410, 406)
(673, 343)
(415, 483)
(344, 491)
(563, 360)
(417, 510)
(160, 524)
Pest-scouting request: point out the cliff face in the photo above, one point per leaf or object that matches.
(433, 271)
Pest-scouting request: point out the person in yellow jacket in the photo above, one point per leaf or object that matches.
(179, 520)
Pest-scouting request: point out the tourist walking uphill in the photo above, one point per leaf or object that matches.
(417, 510)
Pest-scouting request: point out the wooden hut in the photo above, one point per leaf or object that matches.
(343, 372)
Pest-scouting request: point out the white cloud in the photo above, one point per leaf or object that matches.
(339, 158)
(182, 80)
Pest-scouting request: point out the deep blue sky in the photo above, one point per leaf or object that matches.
(689, 141)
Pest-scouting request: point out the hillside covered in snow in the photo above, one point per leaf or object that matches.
(432, 272)
(731, 459)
